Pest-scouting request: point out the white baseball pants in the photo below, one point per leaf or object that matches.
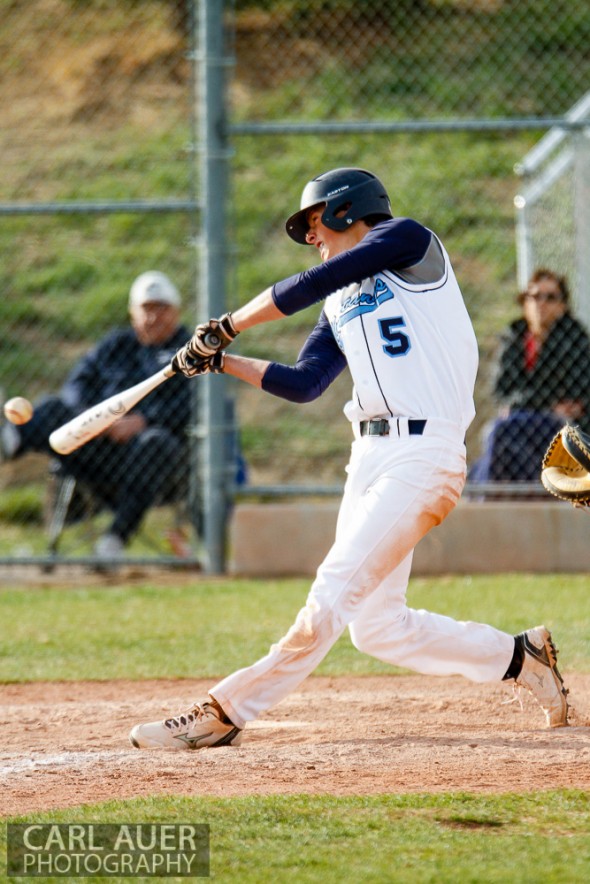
(398, 488)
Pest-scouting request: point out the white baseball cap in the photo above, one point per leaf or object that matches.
(154, 286)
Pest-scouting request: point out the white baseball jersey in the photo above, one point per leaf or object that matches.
(409, 345)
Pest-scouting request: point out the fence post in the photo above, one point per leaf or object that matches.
(581, 182)
(213, 271)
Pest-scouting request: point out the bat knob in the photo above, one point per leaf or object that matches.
(212, 340)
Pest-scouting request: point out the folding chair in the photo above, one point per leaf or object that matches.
(71, 501)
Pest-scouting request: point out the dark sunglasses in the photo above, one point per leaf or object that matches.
(551, 297)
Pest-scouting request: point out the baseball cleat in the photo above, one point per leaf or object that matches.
(203, 725)
(540, 675)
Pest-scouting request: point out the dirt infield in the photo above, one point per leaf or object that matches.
(64, 744)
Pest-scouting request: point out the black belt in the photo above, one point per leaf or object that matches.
(381, 427)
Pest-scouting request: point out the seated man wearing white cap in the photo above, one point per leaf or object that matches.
(141, 456)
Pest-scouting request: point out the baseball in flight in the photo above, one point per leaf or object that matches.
(18, 410)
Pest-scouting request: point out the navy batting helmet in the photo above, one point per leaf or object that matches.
(355, 192)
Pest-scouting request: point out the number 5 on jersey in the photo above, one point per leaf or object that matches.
(398, 343)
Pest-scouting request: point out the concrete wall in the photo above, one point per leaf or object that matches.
(280, 539)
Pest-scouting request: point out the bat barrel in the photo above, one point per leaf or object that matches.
(100, 417)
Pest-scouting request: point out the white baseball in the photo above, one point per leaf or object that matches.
(18, 410)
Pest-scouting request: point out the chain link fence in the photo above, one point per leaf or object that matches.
(553, 220)
(99, 185)
(100, 182)
(442, 101)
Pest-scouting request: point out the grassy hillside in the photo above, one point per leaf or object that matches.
(96, 105)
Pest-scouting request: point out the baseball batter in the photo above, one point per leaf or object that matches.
(393, 312)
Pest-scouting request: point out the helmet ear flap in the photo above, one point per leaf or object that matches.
(338, 216)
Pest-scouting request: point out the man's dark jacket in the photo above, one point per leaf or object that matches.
(119, 361)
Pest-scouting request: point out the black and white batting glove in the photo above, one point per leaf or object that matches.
(212, 336)
(189, 364)
(217, 363)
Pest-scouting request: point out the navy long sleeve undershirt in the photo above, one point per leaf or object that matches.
(390, 245)
(319, 363)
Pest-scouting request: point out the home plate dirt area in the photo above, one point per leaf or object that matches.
(64, 744)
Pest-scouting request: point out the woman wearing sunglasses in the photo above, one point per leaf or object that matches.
(542, 380)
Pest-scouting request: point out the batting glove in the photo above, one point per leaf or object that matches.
(212, 336)
(217, 363)
(188, 363)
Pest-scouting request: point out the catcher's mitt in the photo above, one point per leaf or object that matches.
(566, 466)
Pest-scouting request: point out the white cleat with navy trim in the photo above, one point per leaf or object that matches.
(203, 726)
(540, 675)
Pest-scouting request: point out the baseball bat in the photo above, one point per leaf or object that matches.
(95, 420)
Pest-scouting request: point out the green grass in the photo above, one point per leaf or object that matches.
(24, 530)
(208, 628)
(411, 838)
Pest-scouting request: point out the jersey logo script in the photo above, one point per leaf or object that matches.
(364, 302)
